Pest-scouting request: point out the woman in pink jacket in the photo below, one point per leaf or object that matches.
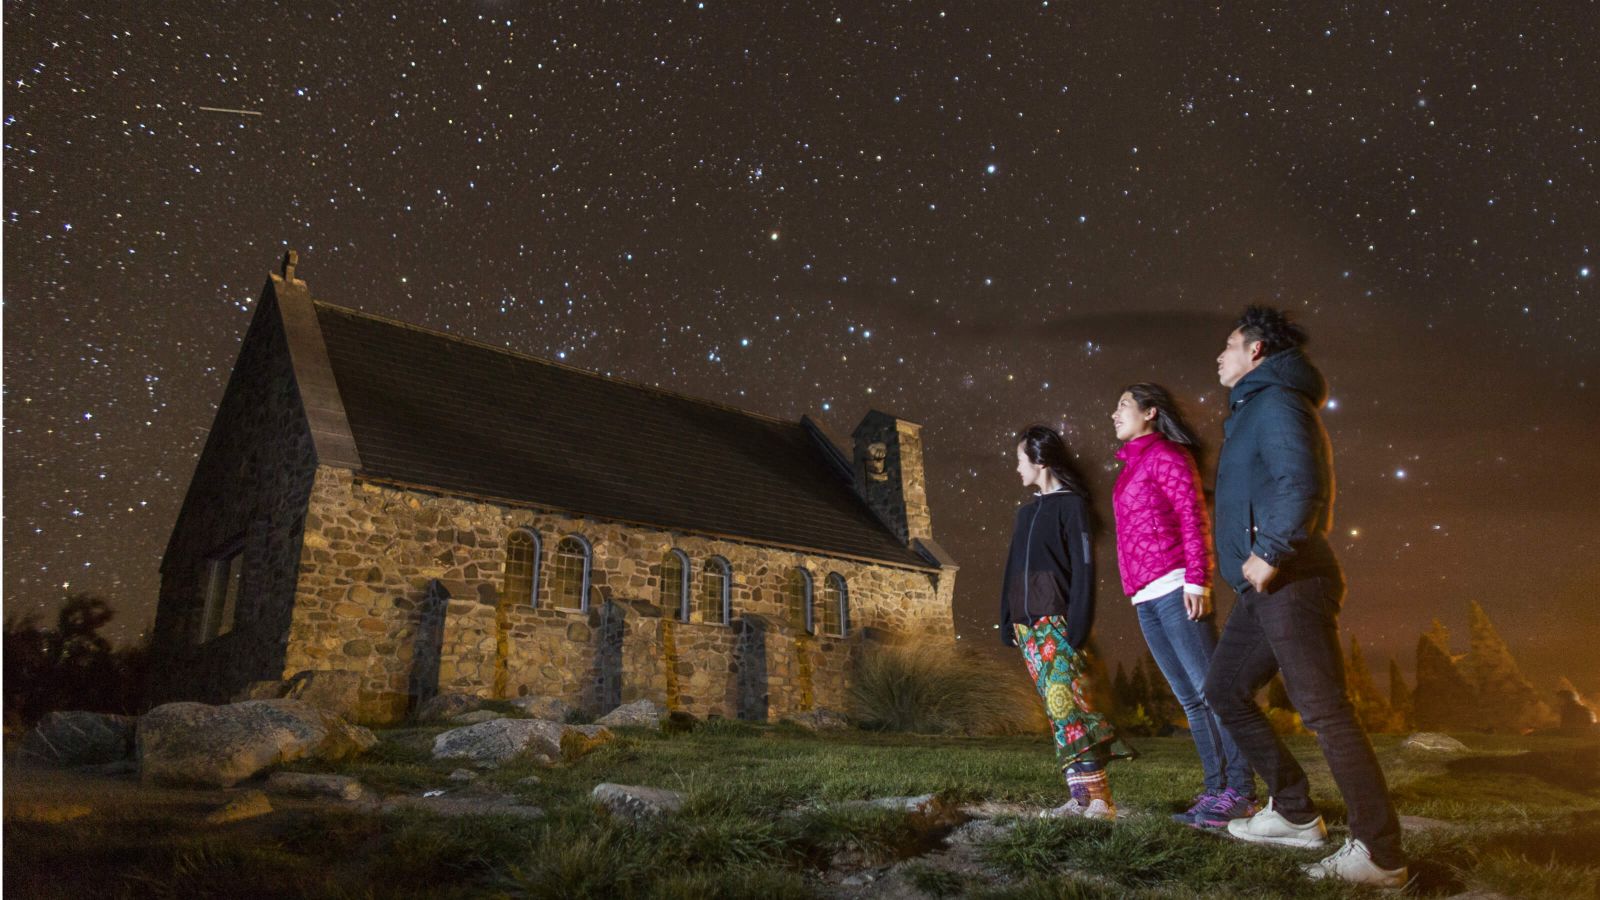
(1163, 551)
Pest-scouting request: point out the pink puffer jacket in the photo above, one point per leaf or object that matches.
(1161, 514)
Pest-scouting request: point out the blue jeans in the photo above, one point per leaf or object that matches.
(1182, 647)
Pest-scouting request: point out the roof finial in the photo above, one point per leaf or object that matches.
(290, 260)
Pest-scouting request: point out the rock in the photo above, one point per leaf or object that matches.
(306, 784)
(1433, 742)
(980, 831)
(261, 690)
(463, 775)
(48, 813)
(820, 720)
(638, 714)
(994, 809)
(79, 739)
(633, 802)
(445, 706)
(219, 746)
(926, 812)
(529, 781)
(247, 805)
(456, 806)
(476, 716)
(501, 740)
(553, 709)
(581, 740)
(337, 691)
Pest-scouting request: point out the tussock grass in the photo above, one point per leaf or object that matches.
(761, 817)
(1141, 856)
(940, 690)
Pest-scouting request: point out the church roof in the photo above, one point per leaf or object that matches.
(438, 411)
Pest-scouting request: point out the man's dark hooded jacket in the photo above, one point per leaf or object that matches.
(1275, 474)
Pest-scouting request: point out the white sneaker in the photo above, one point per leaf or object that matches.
(1097, 809)
(1270, 827)
(1353, 863)
(1071, 809)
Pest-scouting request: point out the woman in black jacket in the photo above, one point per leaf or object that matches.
(1046, 608)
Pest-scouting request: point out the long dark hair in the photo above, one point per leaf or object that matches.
(1044, 446)
(1169, 419)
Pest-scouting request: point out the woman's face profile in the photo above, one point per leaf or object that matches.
(1026, 469)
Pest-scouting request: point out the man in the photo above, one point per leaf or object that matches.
(1274, 510)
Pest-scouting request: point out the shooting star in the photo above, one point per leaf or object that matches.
(237, 112)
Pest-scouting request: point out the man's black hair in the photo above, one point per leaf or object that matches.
(1272, 328)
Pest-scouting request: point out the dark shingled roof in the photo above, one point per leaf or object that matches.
(433, 410)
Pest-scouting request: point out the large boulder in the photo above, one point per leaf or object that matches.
(503, 740)
(638, 714)
(220, 746)
(79, 739)
(552, 709)
(337, 691)
(448, 706)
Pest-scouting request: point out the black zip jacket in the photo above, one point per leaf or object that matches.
(1050, 569)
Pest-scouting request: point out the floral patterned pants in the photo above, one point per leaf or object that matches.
(1082, 734)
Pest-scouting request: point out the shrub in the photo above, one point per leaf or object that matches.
(942, 690)
(70, 666)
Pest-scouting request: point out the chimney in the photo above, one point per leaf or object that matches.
(889, 474)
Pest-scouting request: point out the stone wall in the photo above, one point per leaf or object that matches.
(406, 587)
(890, 474)
(253, 479)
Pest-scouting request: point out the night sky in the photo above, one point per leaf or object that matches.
(973, 216)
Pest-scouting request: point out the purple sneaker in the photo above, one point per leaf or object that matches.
(1202, 802)
(1224, 808)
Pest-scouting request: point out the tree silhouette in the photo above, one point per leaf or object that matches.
(71, 666)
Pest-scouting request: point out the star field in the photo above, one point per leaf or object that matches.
(973, 216)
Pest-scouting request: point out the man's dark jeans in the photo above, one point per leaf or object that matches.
(1295, 628)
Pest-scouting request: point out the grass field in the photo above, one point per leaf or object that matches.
(1514, 816)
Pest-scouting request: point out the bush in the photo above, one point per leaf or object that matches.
(942, 690)
(70, 666)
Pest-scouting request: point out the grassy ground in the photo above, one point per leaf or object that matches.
(1518, 816)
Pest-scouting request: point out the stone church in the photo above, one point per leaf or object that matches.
(430, 514)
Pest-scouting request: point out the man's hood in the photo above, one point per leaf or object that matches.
(1288, 368)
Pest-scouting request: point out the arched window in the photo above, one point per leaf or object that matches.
(799, 601)
(716, 591)
(569, 580)
(835, 605)
(675, 585)
(521, 583)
